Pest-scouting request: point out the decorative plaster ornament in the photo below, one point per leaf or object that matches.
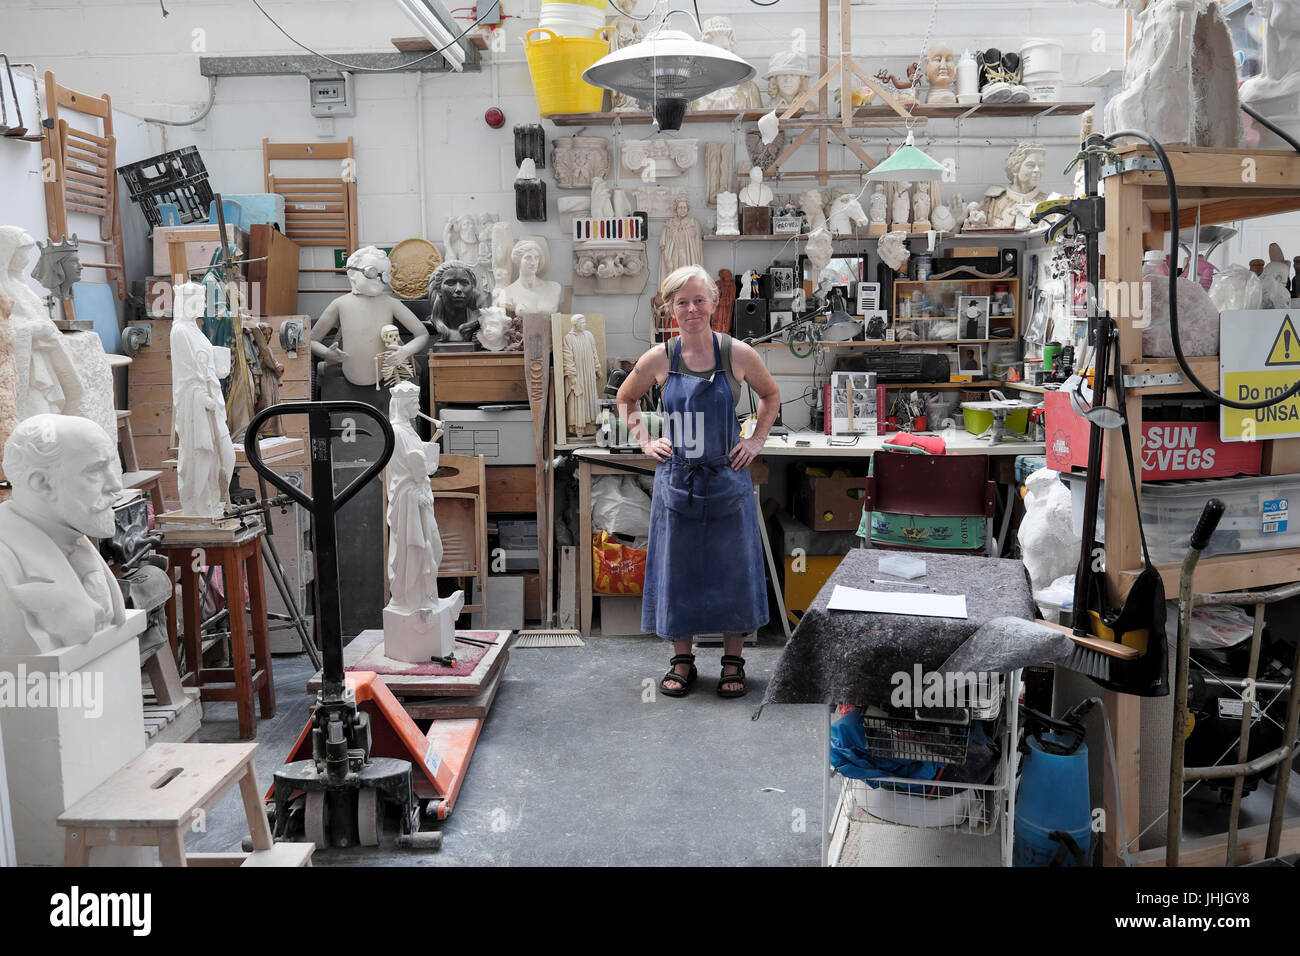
(453, 289)
(844, 212)
(582, 378)
(660, 157)
(58, 267)
(940, 73)
(413, 261)
(942, 219)
(460, 238)
(682, 242)
(361, 314)
(602, 199)
(55, 589)
(206, 458)
(763, 153)
(609, 267)
(530, 292)
(893, 251)
(728, 211)
(756, 193)
(718, 31)
(579, 159)
(656, 202)
(1008, 207)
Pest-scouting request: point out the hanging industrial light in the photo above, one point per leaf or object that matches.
(909, 163)
(668, 69)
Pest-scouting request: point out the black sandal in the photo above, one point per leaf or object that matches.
(682, 685)
(731, 660)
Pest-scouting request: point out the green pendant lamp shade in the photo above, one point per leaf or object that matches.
(908, 164)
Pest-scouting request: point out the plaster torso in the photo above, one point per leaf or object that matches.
(756, 194)
(541, 295)
(360, 319)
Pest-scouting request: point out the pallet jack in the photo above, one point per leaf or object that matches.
(358, 750)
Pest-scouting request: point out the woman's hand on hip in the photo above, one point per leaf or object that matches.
(660, 449)
(746, 450)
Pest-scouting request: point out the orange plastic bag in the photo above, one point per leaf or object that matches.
(616, 568)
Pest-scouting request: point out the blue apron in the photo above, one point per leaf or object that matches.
(704, 567)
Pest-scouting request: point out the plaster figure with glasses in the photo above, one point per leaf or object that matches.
(360, 317)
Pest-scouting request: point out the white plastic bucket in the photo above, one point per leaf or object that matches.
(1043, 90)
(571, 19)
(1040, 56)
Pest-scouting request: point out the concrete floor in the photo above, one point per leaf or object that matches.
(580, 763)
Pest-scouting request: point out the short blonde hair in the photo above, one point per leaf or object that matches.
(673, 282)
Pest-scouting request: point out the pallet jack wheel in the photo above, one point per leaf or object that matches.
(315, 822)
(421, 840)
(370, 817)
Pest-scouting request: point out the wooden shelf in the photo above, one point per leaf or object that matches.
(889, 386)
(873, 343)
(1229, 572)
(854, 237)
(870, 112)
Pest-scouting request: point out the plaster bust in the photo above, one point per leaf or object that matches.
(718, 31)
(787, 78)
(727, 214)
(453, 288)
(55, 589)
(1007, 207)
(755, 193)
(530, 292)
(59, 267)
(492, 329)
(359, 317)
(940, 72)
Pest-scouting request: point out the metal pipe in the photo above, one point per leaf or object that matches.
(1247, 700)
(1284, 769)
(1219, 771)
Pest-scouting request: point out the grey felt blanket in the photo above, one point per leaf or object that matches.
(848, 657)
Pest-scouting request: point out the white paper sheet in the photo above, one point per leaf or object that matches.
(895, 602)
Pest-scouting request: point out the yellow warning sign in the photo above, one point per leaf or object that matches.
(1286, 347)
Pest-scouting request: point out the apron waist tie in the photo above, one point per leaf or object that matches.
(693, 468)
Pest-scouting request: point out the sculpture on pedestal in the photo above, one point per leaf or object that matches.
(921, 208)
(902, 219)
(879, 209)
(55, 589)
(58, 266)
(530, 292)
(417, 623)
(940, 73)
(682, 242)
(1008, 207)
(582, 378)
(206, 460)
(755, 192)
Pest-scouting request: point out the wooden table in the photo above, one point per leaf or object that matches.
(157, 797)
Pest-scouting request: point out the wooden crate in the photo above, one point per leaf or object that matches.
(476, 377)
(511, 488)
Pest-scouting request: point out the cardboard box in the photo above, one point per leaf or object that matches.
(197, 254)
(498, 437)
(1169, 450)
(830, 504)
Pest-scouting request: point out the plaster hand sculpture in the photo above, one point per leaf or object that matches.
(902, 208)
(957, 207)
(55, 589)
(361, 315)
(582, 375)
(728, 212)
(941, 73)
(417, 623)
(530, 292)
(718, 163)
(1180, 77)
(717, 30)
(602, 200)
(453, 288)
(58, 267)
(492, 329)
(921, 208)
(389, 370)
(893, 251)
(877, 212)
(47, 379)
(207, 458)
(1276, 91)
(787, 79)
(682, 242)
(844, 212)
(1008, 207)
(756, 193)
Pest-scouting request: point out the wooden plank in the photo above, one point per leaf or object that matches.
(1281, 457)
(511, 488)
(445, 708)
(425, 685)
(1232, 168)
(567, 608)
(1229, 572)
(1213, 850)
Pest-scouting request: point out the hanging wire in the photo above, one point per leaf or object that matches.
(372, 69)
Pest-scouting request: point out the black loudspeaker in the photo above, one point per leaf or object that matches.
(1011, 260)
(749, 318)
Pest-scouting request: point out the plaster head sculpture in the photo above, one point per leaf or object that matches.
(718, 31)
(787, 78)
(893, 251)
(941, 73)
(369, 271)
(1007, 207)
(756, 193)
(453, 287)
(492, 329)
(59, 267)
(529, 292)
(55, 589)
(728, 212)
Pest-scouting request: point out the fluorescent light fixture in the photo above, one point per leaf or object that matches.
(427, 15)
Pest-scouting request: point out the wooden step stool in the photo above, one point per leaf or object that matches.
(156, 798)
(240, 559)
(132, 475)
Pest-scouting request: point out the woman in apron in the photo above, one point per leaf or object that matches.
(704, 567)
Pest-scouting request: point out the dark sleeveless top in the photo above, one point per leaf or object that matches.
(724, 343)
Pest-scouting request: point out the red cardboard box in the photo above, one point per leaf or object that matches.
(1169, 449)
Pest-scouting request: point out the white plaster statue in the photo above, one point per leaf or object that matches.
(921, 206)
(844, 212)
(577, 159)
(359, 317)
(492, 329)
(602, 200)
(1180, 77)
(453, 289)
(8, 373)
(460, 236)
(582, 378)
(719, 160)
(893, 251)
(417, 623)
(682, 242)
(728, 211)
(819, 248)
(530, 292)
(717, 30)
(55, 589)
(787, 78)
(940, 72)
(976, 217)
(483, 225)
(1275, 92)
(1008, 207)
(503, 241)
(388, 370)
(47, 379)
(756, 193)
(206, 457)
(769, 127)
(902, 208)
(878, 205)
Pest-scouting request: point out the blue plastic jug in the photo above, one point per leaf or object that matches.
(1052, 799)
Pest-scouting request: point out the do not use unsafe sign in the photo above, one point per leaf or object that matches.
(1259, 358)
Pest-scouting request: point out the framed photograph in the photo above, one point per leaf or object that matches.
(853, 399)
(779, 319)
(973, 317)
(782, 282)
(970, 360)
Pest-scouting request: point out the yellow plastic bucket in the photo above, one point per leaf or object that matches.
(556, 64)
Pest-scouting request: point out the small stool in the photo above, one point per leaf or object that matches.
(157, 797)
(240, 559)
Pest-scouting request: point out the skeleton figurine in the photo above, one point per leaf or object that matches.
(387, 371)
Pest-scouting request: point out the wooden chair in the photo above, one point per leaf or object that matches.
(460, 505)
(905, 485)
(318, 211)
(82, 173)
